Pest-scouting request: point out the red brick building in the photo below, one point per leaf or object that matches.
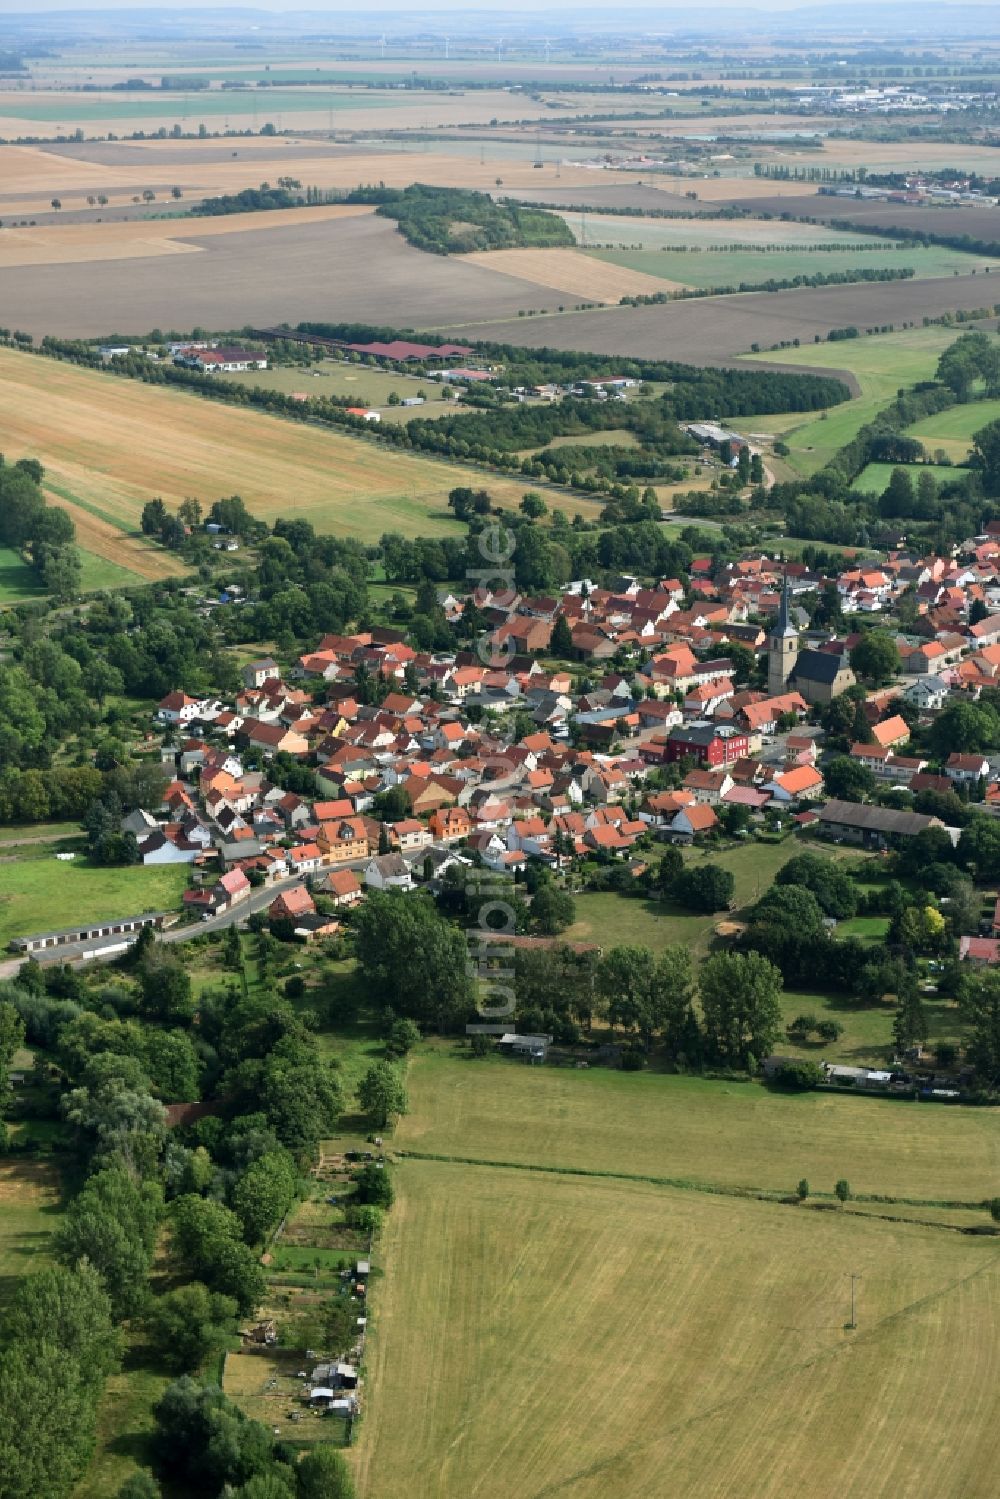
(711, 745)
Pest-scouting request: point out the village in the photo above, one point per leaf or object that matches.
(623, 718)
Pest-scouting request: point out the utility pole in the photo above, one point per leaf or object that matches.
(855, 1277)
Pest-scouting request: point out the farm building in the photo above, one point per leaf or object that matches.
(873, 827)
(529, 1048)
(401, 351)
(221, 361)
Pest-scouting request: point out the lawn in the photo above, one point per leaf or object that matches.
(108, 445)
(38, 895)
(124, 1423)
(867, 1029)
(882, 363)
(17, 579)
(544, 1335)
(612, 920)
(365, 386)
(26, 832)
(29, 1209)
(734, 1134)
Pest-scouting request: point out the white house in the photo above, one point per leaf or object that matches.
(388, 872)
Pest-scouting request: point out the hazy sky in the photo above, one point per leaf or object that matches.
(671, 10)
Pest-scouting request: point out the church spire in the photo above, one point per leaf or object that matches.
(784, 627)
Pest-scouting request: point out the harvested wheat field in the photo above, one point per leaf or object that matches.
(30, 177)
(572, 272)
(517, 1348)
(69, 244)
(109, 444)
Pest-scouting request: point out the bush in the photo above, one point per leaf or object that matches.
(373, 1184)
(798, 1077)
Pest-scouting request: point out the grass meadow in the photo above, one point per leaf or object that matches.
(544, 1335)
(882, 364)
(705, 268)
(696, 1130)
(875, 476)
(29, 1210)
(37, 892)
(953, 430)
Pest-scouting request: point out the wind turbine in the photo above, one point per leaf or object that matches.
(381, 44)
(548, 49)
(447, 44)
(500, 50)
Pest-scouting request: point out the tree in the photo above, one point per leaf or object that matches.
(57, 1336)
(202, 1442)
(910, 1021)
(828, 881)
(187, 1325)
(412, 959)
(875, 657)
(979, 848)
(111, 1224)
(373, 1184)
(402, 1038)
(705, 887)
(740, 1005)
(11, 1037)
(323, 1474)
(533, 506)
(980, 1004)
(552, 909)
(802, 1190)
(985, 456)
(207, 1239)
(166, 988)
(848, 780)
(964, 728)
(264, 1194)
(382, 1094)
(561, 644)
(898, 496)
(843, 1191)
(995, 1209)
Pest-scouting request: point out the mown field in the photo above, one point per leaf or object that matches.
(875, 476)
(39, 894)
(541, 1335)
(734, 1134)
(709, 267)
(953, 430)
(108, 445)
(29, 1210)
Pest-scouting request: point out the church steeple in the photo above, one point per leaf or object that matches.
(782, 646)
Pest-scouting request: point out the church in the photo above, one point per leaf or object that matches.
(818, 676)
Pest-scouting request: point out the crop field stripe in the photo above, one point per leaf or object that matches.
(681, 1184)
(88, 505)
